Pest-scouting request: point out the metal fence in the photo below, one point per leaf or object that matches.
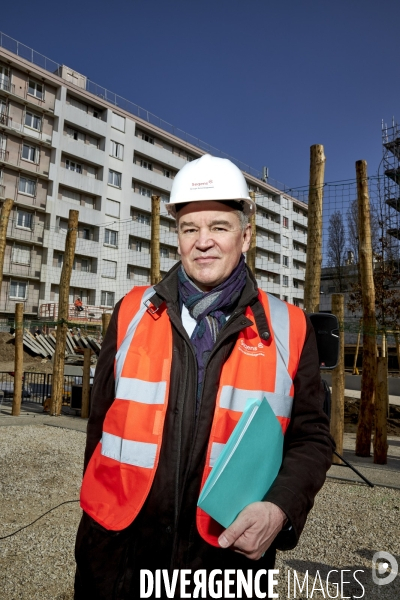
(36, 387)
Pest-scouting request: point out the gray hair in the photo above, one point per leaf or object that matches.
(243, 218)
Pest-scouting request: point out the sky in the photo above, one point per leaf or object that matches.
(260, 80)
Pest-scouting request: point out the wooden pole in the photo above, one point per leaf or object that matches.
(4, 217)
(338, 381)
(312, 285)
(18, 361)
(364, 428)
(62, 325)
(381, 403)
(105, 318)
(355, 370)
(251, 252)
(86, 383)
(155, 274)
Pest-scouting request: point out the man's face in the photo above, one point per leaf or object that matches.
(210, 242)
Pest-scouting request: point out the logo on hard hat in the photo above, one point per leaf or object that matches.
(203, 183)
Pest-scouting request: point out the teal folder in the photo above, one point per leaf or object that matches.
(247, 466)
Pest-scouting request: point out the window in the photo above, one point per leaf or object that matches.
(167, 173)
(145, 192)
(147, 138)
(164, 252)
(33, 121)
(36, 89)
(285, 202)
(146, 165)
(73, 166)
(109, 268)
(164, 198)
(85, 265)
(18, 289)
(286, 298)
(112, 208)
(117, 150)
(21, 254)
(107, 298)
(138, 245)
(30, 153)
(4, 78)
(111, 237)
(87, 234)
(295, 283)
(118, 122)
(285, 222)
(285, 261)
(285, 241)
(27, 186)
(114, 178)
(24, 219)
(285, 281)
(141, 218)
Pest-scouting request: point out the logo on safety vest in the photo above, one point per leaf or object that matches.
(251, 350)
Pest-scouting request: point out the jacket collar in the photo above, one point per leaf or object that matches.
(167, 291)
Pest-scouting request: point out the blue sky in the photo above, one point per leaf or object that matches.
(261, 80)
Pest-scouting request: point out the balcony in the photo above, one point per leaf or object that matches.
(300, 235)
(151, 178)
(268, 224)
(7, 122)
(84, 152)
(300, 219)
(264, 263)
(158, 154)
(4, 155)
(83, 119)
(26, 234)
(89, 314)
(81, 182)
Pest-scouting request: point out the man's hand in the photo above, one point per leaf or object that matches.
(254, 529)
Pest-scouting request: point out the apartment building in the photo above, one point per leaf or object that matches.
(63, 145)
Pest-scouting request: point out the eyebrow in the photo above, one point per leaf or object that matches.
(215, 222)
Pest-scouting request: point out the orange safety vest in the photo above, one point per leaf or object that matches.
(122, 469)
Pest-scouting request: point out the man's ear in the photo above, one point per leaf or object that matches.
(246, 238)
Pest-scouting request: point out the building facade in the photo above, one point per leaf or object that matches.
(63, 147)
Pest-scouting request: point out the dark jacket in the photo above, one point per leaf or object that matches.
(164, 535)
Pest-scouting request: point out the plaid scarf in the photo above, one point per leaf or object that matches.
(209, 309)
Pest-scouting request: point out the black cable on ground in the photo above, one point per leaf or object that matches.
(43, 515)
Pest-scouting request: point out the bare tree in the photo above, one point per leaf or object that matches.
(337, 249)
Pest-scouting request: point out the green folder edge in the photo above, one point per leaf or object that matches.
(247, 465)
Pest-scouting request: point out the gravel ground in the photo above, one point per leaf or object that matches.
(41, 466)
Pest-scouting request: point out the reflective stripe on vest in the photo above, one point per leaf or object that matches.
(121, 471)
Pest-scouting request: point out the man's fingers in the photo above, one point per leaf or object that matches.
(233, 532)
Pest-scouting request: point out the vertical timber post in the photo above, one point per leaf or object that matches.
(62, 325)
(155, 274)
(337, 410)
(18, 364)
(4, 217)
(312, 284)
(251, 252)
(381, 404)
(355, 370)
(105, 318)
(86, 383)
(364, 428)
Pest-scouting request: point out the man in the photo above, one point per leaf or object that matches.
(176, 367)
(78, 304)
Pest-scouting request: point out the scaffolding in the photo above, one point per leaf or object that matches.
(391, 181)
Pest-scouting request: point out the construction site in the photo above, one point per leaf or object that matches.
(72, 245)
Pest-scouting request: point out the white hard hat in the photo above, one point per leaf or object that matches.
(209, 178)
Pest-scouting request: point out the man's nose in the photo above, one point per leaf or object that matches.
(205, 239)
